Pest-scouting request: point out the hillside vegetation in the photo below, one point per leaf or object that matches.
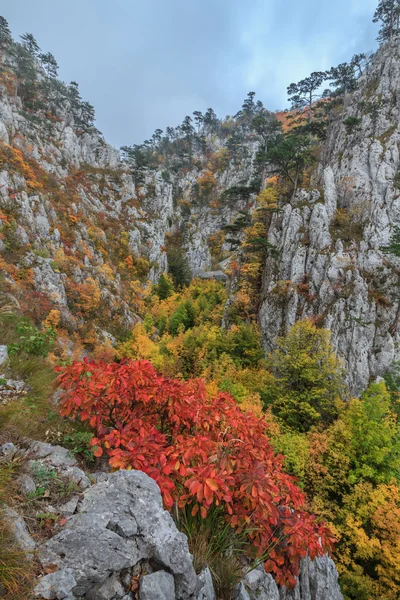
(217, 307)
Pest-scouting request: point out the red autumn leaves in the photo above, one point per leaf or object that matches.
(202, 452)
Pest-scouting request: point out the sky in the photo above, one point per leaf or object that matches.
(147, 64)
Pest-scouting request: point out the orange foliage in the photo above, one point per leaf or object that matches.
(14, 159)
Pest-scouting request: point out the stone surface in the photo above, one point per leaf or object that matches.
(205, 587)
(318, 580)
(258, 585)
(122, 522)
(157, 586)
(19, 530)
(8, 449)
(61, 460)
(3, 355)
(26, 484)
(353, 286)
(56, 586)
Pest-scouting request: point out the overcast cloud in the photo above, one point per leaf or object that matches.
(145, 65)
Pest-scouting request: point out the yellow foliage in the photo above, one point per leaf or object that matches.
(268, 198)
(52, 319)
(206, 181)
(13, 158)
(370, 534)
(141, 346)
(87, 294)
(106, 271)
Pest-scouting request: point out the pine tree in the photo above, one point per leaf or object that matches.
(165, 287)
(388, 15)
(5, 34)
(304, 93)
(49, 64)
(343, 78)
(30, 43)
(394, 249)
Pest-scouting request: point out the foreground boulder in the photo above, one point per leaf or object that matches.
(119, 532)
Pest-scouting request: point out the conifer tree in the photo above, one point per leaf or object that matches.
(388, 15)
(49, 64)
(5, 34)
(30, 43)
(304, 93)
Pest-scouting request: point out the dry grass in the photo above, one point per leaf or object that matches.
(214, 544)
(16, 572)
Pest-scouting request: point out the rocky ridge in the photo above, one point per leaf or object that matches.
(331, 265)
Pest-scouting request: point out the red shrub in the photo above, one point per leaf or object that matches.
(201, 452)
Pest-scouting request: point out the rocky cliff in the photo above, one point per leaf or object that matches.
(75, 224)
(78, 232)
(330, 236)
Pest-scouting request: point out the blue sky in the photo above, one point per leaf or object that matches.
(145, 65)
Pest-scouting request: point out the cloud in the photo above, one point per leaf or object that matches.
(147, 64)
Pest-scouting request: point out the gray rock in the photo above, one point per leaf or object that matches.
(56, 586)
(3, 354)
(240, 592)
(69, 507)
(318, 580)
(98, 476)
(260, 585)
(19, 530)
(157, 586)
(8, 449)
(121, 521)
(205, 587)
(217, 275)
(110, 589)
(56, 456)
(77, 476)
(26, 484)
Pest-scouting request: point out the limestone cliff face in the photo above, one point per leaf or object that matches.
(75, 226)
(73, 221)
(331, 265)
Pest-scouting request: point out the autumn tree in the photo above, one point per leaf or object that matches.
(374, 450)
(352, 478)
(303, 94)
(204, 453)
(309, 378)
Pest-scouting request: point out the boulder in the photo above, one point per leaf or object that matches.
(119, 524)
